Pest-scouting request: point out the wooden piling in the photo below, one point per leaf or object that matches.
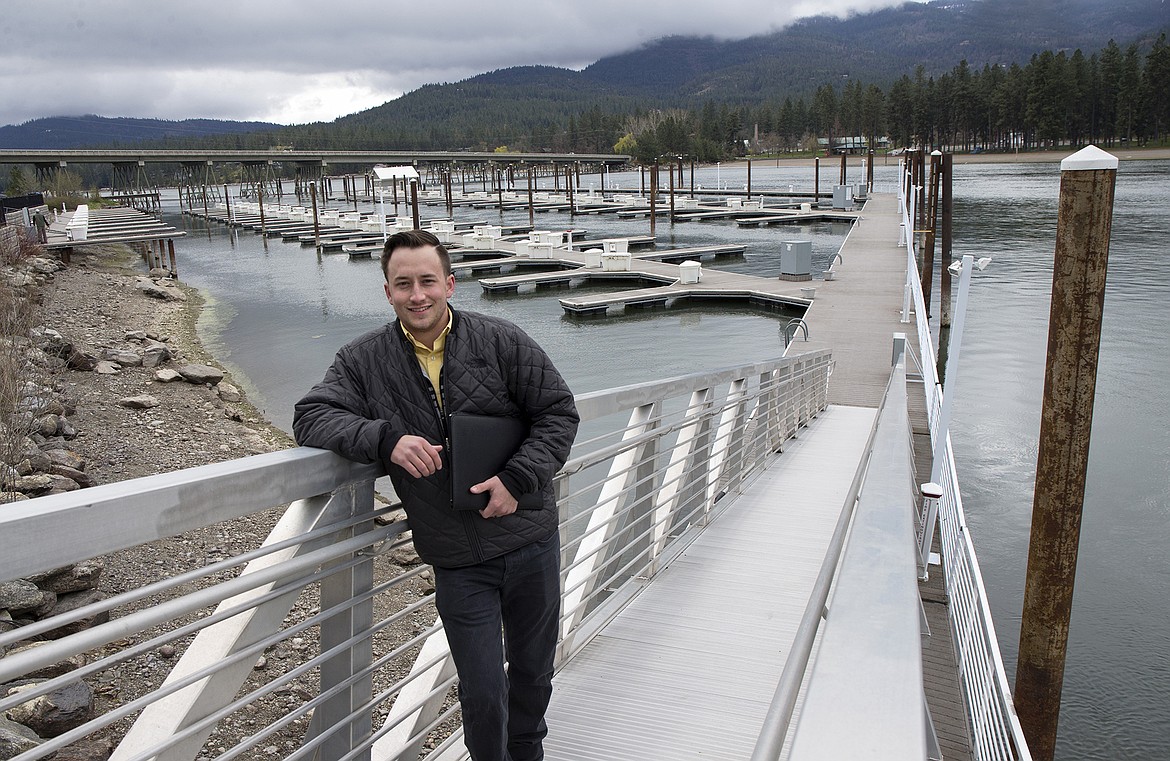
(316, 223)
(414, 203)
(844, 157)
(817, 181)
(944, 281)
(749, 179)
(260, 200)
(653, 196)
(929, 203)
(531, 210)
(672, 190)
(1084, 222)
(569, 188)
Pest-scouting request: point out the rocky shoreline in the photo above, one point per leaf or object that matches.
(131, 392)
(126, 391)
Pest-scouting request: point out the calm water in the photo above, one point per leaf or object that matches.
(279, 312)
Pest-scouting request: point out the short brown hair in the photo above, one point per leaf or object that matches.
(414, 239)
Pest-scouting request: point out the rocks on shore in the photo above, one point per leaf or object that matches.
(25, 601)
(43, 462)
(139, 419)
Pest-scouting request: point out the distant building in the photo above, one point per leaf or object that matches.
(852, 145)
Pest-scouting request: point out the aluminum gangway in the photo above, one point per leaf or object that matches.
(688, 669)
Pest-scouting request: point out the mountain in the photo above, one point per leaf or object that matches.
(875, 47)
(63, 132)
(526, 103)
(542, 107)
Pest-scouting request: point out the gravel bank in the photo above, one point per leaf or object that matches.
(94, 304)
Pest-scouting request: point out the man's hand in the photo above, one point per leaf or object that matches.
(417, 456)
(500, 500)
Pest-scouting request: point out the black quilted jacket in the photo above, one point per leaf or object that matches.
(375, 392)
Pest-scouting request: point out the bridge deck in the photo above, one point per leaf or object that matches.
(857, 312)
(688, 669)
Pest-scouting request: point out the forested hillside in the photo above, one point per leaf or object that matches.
(970, 73)
(63, 132)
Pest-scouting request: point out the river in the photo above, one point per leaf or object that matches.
(278, 312)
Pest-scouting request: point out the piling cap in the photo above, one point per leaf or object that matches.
(931, 489)
(1089, 157)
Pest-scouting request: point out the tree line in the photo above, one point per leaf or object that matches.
(1111, 97)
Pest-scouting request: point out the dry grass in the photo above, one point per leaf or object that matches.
(18, 317)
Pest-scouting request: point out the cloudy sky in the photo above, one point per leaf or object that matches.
(296, 61)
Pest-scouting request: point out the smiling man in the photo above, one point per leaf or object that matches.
(387, 398)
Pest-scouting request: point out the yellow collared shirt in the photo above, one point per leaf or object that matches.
(431, 360)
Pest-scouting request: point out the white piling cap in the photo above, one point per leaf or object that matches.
(1089, 157)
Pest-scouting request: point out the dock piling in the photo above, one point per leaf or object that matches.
(944, 283)
(1084, 222)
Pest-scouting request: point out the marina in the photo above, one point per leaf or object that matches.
(819, 333)
(620, 263)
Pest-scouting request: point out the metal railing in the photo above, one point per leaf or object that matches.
(995, 729)
(868, 671)
(315, 644)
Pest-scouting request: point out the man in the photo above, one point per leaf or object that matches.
(42, 226)
(386, 399)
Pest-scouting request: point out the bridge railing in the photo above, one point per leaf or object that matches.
(323, 642)
(867, 670)
(995, 729)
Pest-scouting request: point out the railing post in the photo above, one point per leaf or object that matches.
(723, 449)
(585, 570)
(338, 716)
(927, 518)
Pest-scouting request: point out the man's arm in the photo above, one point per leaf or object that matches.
(548, 404)
(335, 415)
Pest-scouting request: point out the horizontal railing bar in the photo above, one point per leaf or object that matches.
(251, 650)
(52, 652)
(134, 595)
(89, 522)
(608, 452)
(299, 670)
(645, 534)
(601, 403)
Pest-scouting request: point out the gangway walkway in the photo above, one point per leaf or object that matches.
(686, 671)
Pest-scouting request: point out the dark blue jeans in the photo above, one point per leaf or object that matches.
(503, 714)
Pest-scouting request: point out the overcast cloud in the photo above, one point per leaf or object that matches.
(293, 62)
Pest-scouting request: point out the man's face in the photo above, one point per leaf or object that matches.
(418, 290)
